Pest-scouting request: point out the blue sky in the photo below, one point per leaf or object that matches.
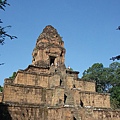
(88, 28)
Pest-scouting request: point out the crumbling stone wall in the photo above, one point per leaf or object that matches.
(35, 79)
(0, 96)
(80, 84)
(54, 81)
(33, 95)
(79, 98)
(55, 97)
(24, 94)
(93, 99)
(33, 112)
(28, 112)
(56, 114)
(85, 85)
(106, 114)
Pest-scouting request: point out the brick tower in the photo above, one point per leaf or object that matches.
(49, 48)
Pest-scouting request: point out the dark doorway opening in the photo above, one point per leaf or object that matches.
(74, 118)
(61, 82)
(74, 86)
(81, 103)
(52, 60)
(65, 97)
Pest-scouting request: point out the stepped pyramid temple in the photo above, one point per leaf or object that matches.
(47, 90)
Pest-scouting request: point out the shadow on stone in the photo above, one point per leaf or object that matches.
(4, 113)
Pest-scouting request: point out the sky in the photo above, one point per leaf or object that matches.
(88, 28)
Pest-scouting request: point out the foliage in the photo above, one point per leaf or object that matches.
(3, 32)
(115, 96)
(71, 69)
(1, 88)
(96, 73)
(13, 75)
(107, 80)
(3, 4)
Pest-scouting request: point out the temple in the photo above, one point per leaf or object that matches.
(47, 90)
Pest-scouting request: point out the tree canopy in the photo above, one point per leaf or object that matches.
(1, 88)
(107, 80)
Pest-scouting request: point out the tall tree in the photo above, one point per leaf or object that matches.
(96, 72)
(107, 80)
(115, 83)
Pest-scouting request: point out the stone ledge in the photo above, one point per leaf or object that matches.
(71, 71)
(79, 79)
(16, 104)
(55, 87)
(35, 66)
(25, 86)
(106, 109)
(33, 73)
(32, 86)
(94, 92)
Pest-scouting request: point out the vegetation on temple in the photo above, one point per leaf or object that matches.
(13, 75)
(107, 80)
(1, 88)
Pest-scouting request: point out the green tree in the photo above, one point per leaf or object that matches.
(107, 80)
(115, 83)
(115, 96)
(1, 88)
(115, 73)
(98, 73)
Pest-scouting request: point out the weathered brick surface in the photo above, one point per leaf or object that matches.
(24, 94)
(55, 97)
(47, 90)
(0, 96)
(32, 79)
(32, 112)
(95, 99)
(80, 84)
(85, 85)
(54, 81)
